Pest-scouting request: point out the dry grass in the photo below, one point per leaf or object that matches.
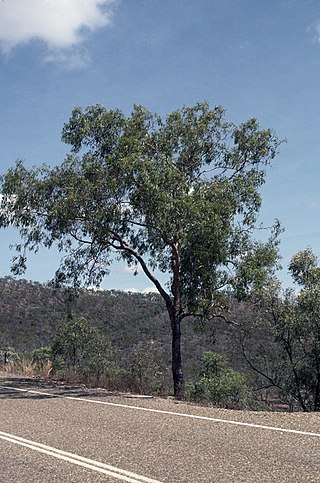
(25, 367)
(45, 370)
(9, 368)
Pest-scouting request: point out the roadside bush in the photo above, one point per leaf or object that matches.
(41, 359)
(79, 350)
(219, 384)
(9, 355)
(144, 374)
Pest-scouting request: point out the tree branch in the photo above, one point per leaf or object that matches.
(255, 369)
(124, 247)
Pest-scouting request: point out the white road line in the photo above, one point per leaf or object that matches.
(78, 460)
(171, 413)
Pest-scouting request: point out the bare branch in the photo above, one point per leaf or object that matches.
(123, 246)
(226, 319)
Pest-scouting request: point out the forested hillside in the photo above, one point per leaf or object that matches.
(270, 348)
(30, 314)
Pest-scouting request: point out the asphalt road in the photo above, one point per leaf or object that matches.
(93, 436)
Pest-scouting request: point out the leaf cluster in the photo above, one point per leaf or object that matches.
(179, 194)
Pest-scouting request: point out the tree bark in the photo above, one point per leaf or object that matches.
(173, 305)
(175, 312)
(177, 372)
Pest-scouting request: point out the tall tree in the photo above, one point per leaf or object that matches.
(289, 325)
(180, 195)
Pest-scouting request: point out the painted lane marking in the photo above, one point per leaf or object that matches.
(171, 413)
(78, 460)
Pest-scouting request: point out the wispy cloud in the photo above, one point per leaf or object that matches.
(75, 58)
(313, 31)
(316, 31)
(144, 291)
(61, 24)
(315, 205)
(150, 290)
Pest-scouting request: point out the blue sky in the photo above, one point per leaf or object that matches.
(256, 58)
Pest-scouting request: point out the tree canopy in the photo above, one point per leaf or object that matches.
(288, 322)
(179, 194)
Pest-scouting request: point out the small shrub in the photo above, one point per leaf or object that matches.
(25, 367)
(219, 384)
(8, 355)
(145, 374)
(41, 359)
(80, 351)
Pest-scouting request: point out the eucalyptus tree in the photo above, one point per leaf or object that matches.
(179, 195)
(299, 331)
(287, 360)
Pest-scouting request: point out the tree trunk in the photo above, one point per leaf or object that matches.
(317, 391)
(174, 309)
(177, 373)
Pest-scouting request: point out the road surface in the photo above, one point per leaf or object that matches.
(55, 433)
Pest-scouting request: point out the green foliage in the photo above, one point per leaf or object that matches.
(8, 355)
(40, 357)
(150, 189)
(80, 348)
(303, 331)
(219, 384)
(290, 326)
(145, 374)
(303, 268)
(180, 194)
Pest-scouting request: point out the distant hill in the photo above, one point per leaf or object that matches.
(31, 312)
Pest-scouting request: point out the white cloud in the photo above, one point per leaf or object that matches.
(145, 290)
(131, 290)
(151, 289)
(132, 269)
(315, 205)
(96, 289)
(314, 31)
(60, 24)
(76, 58)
